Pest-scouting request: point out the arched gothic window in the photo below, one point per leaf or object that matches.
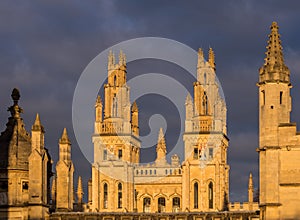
(195, 195)
(161, 204)
(115, 106)
(146, 204)
(176, 204)
(105, 196)
(120, 195)
(204, 104)
(115, 80)
(210, 195)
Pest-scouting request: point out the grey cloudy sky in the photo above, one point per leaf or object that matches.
(45, 46)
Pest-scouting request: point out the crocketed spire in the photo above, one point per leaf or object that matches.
(274, 68)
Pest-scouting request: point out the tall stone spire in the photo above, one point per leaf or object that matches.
(161, 149)
(274, 68)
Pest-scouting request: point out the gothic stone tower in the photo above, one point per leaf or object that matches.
(64, 196)
(279, 141)
(205, 169)
(116, 143)
(25, 168)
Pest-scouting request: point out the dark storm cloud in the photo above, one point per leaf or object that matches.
(45, 45)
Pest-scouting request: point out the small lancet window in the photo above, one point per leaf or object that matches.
(120, 195)
(104, 154)
(204, 79)
(280, 97)
(204, 104)
(120, 154)
(115, 80)
(263, 97)
(195, 195)
(210, 196)
(105, 196)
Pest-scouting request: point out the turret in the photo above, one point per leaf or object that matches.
(65, 147)
(37, 135)
(161, 149)
(65, 172)
(274, 90)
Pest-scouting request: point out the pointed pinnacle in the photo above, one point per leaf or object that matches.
(37, 126)
(200, 58)
(134, 107)
(211, 58)
(250, 184)
(64, 138)
(98, 100)
(188, 99)
(37, 120)
(79, 185)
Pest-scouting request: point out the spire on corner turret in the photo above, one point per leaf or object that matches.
(161, 149)
(37, 126)
(64, 137)
(111, 60)
(201, 60)
(211, 58)
(122, 58)
(274, 68)
(274, 48)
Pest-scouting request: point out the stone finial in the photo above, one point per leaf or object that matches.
(161, 143)
(79, 191)
(200, 58)
(15, 95)
(122, 58)
(211, 58)
(134, 107)
(250, 189)
(250, 183)
(98, 101)
(15, 109)
(37, 126)
(111, 60)
(188, 99)
(64, 138)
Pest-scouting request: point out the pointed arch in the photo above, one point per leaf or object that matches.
(196, 188)
(120, 195)
(210, 195)
(105, 195)
(205, 104)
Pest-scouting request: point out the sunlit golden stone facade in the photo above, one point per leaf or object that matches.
(25, 168)
(279, 141)
(199, 183)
